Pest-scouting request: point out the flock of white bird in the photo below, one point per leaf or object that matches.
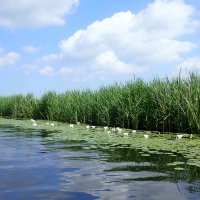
(108, 129)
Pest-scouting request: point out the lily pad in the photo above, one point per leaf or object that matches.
(179, 168)
(145, 155)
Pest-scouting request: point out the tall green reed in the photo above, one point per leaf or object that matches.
(168, 105)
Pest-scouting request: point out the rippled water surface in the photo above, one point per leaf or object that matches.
(34, 166)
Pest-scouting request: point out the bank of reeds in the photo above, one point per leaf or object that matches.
(167, 105)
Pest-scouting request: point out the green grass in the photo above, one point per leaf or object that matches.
(166, 105)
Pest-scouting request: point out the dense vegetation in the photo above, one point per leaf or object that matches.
(168, 105)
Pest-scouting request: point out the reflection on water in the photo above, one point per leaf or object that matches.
(33, 166)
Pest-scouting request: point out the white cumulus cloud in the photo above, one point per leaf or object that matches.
(29, 68)
(35, 13)
(30, 49)
(47, 70)
(65, 71)
(8, 59)
(49, 58)
(130, 42)
(108, 61)
(191, 64)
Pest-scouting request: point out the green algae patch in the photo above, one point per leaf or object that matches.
(179, 168)
(168, 145)
(176, 163)
(145, 155)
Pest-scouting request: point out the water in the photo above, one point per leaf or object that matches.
(34, 167)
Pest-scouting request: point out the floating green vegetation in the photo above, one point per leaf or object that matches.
(179, 168)
(145, 155)
(97, 138)
(176, 163)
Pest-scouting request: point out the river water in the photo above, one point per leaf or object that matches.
(34, 167)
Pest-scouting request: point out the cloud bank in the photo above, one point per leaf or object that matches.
(132, 43)
(35, 13)
(123, 44)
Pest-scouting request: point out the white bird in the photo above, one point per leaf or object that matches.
(93, 127)
(105, 128)
(71, 125)
(146, 136)
(52, 124)
(87, 126)
(109, 132)
(134, 131)
(179, 136)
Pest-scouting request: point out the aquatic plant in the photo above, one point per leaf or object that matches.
(164, 105)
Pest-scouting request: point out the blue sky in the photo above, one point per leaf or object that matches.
(77, 44)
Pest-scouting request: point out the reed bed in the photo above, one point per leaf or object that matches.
(167, 105)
